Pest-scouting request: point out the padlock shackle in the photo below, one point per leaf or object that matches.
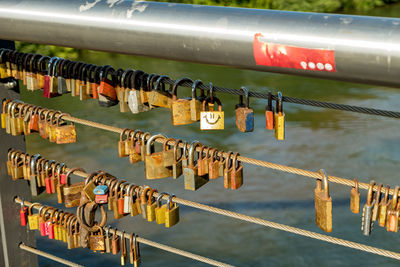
(196, 84)
(228, 160)
(71, 171)
(176, 145)
(158, 82)
(151, 140)
(165, 143)
(134, 78)
(212, 101)
(125, 77)
(150, 81)
(395, 197)
(235, 162)
(123, 133)
(279, 103)
(322, 172)
(150, 198)
(370, 194)
(177, 83)
(160, 196)
(169, 201)
(192, 149)
(33, 162)
(378, 194)
(246, 96)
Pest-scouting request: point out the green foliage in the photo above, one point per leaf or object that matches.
(295, 5)
(49, 50)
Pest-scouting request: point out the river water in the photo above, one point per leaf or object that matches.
(344, 144)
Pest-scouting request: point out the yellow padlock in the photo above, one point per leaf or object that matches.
(210, 119)
(279, 118)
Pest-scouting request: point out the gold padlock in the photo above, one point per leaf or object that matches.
(279, 118)
(383, 207)
(171, 213)
(323, 204)
(195, 102)
(180, 111)
(159, 97)
(160, 209)
(154, 166)
(210, 119)
(151, 206)
(355, 198)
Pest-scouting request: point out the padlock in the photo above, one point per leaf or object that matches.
(64, 133)
(355, 198)
(111, 196)
(159, 96)
(84, 83)
(107, 240)
(118, 202)
(96, 239)
(202, 162)
(392, 219)
(128, 199)
(34, 121)
(89, 187)
(61, 81)
(123, 94)
(195, 102)
(135, 251)
(134, 147)
(269, 114)
(107, 85)
(50, 79)
(43, 124)
(168, 153)
(375, 209)
(134, 207)
(160, 209)
(192, 180)
(151, 206)
(279, 118)
(228, 170)
(4, 113)
(70, 233)
(323, 204)
(122, 152)
(185, 154)
(134, 97)
(42, 212)
(142, 144)
(33, 179)
(384, 207)
(177, 163)
(22, 213)
(244, 114)
(137, 201)
(143, 202)
(366, 221)
(77, 236)
(33, 219)
(236, 173)
(123, 249)
(210, 119)
(72, 193)
(154, 166)
(60, 185)
(171, 213)
(115, 243)
(101, 192)
(213, 164)
(180, 108)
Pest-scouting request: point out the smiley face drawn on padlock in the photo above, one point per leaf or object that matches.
(210, 119)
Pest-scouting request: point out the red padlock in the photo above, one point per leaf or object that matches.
(107, 86)
(269, 114)
(22, 213)
(101, 199)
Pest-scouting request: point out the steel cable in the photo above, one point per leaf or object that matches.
(147, 242)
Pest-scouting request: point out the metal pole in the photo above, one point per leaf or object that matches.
(12, 233)
(339, 47)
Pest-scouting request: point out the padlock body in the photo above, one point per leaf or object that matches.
(244, 119)
(212, 120)
(323, 210)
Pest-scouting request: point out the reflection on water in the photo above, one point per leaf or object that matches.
(345, 144)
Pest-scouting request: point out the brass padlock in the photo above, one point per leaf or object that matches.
(384, 207)
(195, 102)
(160, 209)
(142, 144)
(171, 213)
(210, 119)
(213, 164)
(168, 153)
(96, 239)
(64, 133)
(228, 170)
(180, 108)
(193, 181)
(236, 173)
(72, 193)
(154, 166)
(33, 180)
(244, 114)
(151, 206)
(202, 162)
(279, 118)
(33, 219)
(323, 204)
(134, 147)
(375, 209)
(392, 219)
(122, 152)
(143, 202)
(355, 198)
(159, 96)
(177, 163)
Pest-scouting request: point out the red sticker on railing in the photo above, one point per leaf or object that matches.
(294, 57)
